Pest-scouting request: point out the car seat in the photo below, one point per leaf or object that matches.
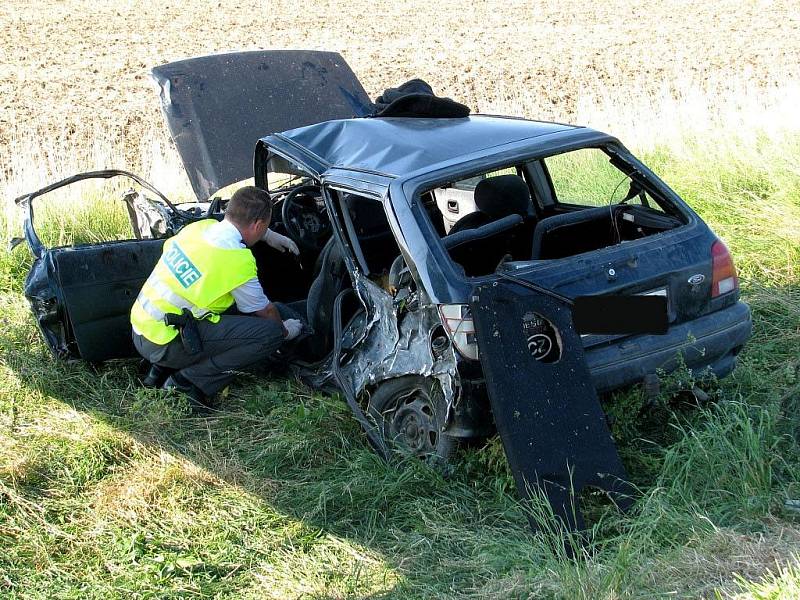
(331, 279)
(574, 232)
(496, 197)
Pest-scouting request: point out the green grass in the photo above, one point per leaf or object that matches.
(109, 490)
(586, 177)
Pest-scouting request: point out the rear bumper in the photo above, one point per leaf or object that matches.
(713, 341)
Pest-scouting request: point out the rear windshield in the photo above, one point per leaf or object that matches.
(544, 209)
(587, 177)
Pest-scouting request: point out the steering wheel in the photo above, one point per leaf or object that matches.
(305, 222)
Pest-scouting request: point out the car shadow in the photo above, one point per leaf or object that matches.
(304, 455)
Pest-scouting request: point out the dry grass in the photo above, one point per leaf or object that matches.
(723, 558)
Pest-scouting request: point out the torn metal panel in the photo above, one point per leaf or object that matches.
(149, 219)
(544, 403)
(394, 346)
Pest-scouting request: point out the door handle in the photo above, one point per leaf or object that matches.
(452, 206)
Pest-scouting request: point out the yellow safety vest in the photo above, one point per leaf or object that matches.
(193, 274)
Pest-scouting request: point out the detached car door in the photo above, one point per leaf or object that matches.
(81, 295)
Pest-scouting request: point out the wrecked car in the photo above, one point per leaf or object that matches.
(441, 256)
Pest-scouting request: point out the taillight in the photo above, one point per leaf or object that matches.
(457, 319)
(723, 272)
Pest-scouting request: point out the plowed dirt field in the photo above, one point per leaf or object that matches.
(69, 68)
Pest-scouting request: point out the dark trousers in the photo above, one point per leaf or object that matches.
(235, 343)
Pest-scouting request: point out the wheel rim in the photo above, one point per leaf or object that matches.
(412, 424)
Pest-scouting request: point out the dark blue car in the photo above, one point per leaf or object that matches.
(403, 221)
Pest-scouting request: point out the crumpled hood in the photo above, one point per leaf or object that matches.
(217, 107)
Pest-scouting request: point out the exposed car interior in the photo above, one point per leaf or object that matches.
(546, 209)
(312, 281)
(495, 198)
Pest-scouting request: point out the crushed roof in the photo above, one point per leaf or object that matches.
(398, 146)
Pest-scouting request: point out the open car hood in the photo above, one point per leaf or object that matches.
(217, 107)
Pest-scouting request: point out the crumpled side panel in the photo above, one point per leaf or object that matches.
(41, 295)
(391, 349)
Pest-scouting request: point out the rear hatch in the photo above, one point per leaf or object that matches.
(547, 412)
(675, 264)
(543, 401)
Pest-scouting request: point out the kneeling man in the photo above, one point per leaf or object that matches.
(203, 271)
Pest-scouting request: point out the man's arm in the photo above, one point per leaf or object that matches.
(251, 300)
(280, 242)
(270, 311)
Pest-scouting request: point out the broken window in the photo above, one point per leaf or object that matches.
(283, 174)
(88, 212)
(370, 236)
(589, 178)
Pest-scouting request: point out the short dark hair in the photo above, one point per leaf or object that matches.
(248, 205)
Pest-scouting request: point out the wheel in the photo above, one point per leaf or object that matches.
(305, 222)
(410, 412)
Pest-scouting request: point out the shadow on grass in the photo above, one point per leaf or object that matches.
(303, 456)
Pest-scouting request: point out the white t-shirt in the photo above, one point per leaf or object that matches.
(249, 296)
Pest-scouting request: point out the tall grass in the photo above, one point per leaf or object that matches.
(110, 490)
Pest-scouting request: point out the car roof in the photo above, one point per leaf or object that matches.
(399, 146)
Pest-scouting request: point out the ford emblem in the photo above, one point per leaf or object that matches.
(696, 279)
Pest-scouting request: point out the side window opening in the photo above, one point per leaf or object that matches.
(484, 219)
(456, 200)
(96, 210)
(369, 234)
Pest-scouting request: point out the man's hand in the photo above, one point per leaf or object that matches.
(270, 311)
(293, 328)
(280, 242)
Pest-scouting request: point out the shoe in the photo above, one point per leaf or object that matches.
(156, 376)
(198, 400)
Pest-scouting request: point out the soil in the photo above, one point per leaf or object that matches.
(69, 68)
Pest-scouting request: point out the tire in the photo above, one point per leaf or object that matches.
(410, 412)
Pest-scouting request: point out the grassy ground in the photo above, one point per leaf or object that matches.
(109, 490)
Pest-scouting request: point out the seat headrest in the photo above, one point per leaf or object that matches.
(503, 195)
